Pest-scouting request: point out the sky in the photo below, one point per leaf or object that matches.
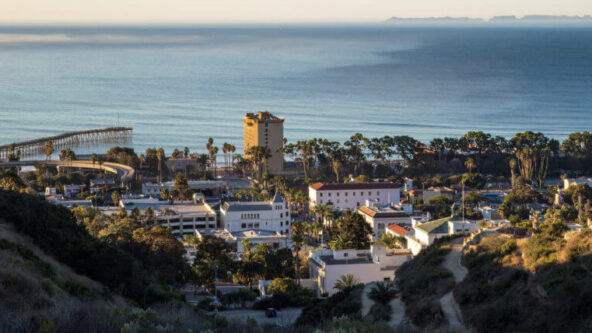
(270, 11)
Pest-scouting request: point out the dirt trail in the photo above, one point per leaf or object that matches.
(447, 302)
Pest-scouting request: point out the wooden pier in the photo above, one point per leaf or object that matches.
(66, 140)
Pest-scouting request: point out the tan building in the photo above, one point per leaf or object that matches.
(265, 129)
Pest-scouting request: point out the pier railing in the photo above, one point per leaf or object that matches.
(66, 140)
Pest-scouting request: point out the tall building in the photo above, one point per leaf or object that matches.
(265, 129)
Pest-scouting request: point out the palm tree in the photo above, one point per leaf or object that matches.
(186, 152)
(337, 166)
(341, 242)
(346, 281)
(93, 158)
(383, 292)
(160, 155)
(470, 165)
(48, 149)
(513, 164)
(298, 241)
(390, 241)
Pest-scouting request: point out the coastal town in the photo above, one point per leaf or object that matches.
(264, 236)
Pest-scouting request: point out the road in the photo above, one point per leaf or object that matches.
(285, 317)
(447, 302)
(125, 173)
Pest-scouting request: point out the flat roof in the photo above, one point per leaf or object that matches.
(382, 212)
(354, 186)
(238, 206)
(330, 260)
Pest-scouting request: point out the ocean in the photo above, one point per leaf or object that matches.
(177, 86)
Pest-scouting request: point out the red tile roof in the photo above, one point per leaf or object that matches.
(354, 186)
(397, 229)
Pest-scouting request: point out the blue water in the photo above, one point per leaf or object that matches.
(177, 86)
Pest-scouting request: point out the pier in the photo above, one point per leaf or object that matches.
(66, 140)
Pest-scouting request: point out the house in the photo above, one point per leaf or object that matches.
(273, 215)
(71, 191)
(376, 264)
(99, 183)
(379, 216)
(209, 188)
(427, 232)
(425, 195)
(353, 195)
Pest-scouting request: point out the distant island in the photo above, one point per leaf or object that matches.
(505, 19)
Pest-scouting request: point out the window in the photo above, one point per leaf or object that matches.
(282, 224)
(345, 254)
(276, 246)
(337, 193)
(329, 193)
(346, 194)
(320, 194)
(281, 215)
(362, 193)
(377, 193)
(358, 204)
(243, 225)
(256, 225)
(369, 193)
(354, 194)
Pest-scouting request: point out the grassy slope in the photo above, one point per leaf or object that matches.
(539, 285)
(422, 282)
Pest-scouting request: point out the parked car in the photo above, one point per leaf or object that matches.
(270, 313)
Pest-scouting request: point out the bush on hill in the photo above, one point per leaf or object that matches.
(54, 229)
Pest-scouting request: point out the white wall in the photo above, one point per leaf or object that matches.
(277, 219)
(353, 199)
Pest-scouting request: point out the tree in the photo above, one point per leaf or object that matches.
(165, 194)
(161, 157)
(391, 241)
(212, 254)
(283, 285)
(48, 149)
(149, 218)
(186, 152)
(346, 281)
(258, 156)
(298, 241)
(383, 292)
(470, 165)
(115, 198)
(351, 231)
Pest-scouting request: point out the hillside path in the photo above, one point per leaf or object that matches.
(447, 302)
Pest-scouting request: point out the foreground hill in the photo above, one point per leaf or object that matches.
(54, 277)
(541, 284)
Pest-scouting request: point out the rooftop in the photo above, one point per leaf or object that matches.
(262, 115)
(246, 206)
(354, 186)
(381, 212)
(256, 233)
(397, 229)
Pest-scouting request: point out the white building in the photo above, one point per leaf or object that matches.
(256, 236)
(183, 217)
(376, 264)
(380, 216)
(427, 232)
(207, 187)
(271, 215)
(353, 195)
